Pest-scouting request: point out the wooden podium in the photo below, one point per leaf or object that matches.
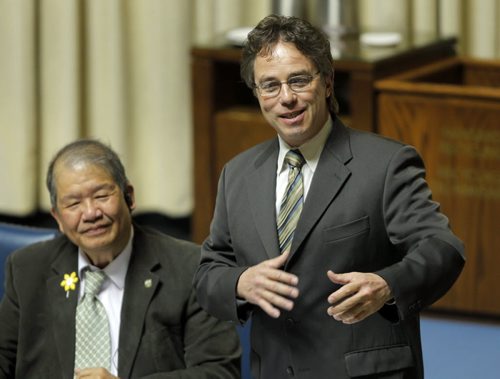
(450, 111)
(227, 118)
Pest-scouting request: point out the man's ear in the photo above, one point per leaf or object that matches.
(130, 197)
(329, 86)
(54, 214)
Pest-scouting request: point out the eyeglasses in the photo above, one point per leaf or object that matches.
(297, 83)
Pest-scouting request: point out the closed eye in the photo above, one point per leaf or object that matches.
(72, 204)
(105, 196)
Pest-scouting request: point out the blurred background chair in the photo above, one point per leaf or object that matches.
(244, 333)
(13, 237)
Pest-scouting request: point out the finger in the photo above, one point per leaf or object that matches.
(352, 316)
(354, 309)
(275, 293)
(342, 294)
(343, 318)
(266, 291)
(338, 278)
(270, 278)
(341, 312)
(278, 300)
(335, 315)
(349, 286)
(343, 308)
(278, 261)
(268, 308)
(92, 372)
(283, 277)
(280, 288)
(272, 304)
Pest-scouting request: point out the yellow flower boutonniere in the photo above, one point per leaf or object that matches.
(69, 282)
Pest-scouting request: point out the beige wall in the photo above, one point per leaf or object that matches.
(119, 70)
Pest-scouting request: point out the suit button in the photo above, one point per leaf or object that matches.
(290, 321)
(289, 370)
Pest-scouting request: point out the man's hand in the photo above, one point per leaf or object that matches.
(93, 373)
(269, 287)
(361, 295)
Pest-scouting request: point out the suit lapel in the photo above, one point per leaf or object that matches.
(63, 308)
(328, 180)
(260, 182)
(140, 286)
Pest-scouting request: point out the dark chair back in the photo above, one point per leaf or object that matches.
(13, 237)
(244, 333)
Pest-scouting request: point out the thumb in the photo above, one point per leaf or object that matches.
(280, 260)
(338, 278)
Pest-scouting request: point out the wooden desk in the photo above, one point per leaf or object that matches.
(450, 111)
(227, 118)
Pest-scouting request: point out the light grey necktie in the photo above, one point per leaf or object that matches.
(93, 341)
(291, 204)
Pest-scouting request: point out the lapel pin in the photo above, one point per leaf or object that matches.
(69, 282)
(148, 283)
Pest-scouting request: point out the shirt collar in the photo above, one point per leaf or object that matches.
(311, 150)
(116, 270)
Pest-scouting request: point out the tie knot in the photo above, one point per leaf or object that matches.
(295, 159)
(93, 281)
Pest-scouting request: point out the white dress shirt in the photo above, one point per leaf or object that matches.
(311, 151)
(111, 294)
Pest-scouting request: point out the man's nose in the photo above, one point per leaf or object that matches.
(91, 211)
(287, 96)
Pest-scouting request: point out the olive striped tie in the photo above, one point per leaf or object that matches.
(291, 204)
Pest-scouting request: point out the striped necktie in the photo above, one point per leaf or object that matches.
(291, 204)
(93, 341)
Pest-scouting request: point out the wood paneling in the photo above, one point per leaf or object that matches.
(451, 113)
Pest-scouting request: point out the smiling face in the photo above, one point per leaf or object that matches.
(91, 210)
(297, 117)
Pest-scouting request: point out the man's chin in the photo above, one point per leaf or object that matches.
(95, 242)
(295, 137)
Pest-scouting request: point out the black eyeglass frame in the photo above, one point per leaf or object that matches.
(297, 84)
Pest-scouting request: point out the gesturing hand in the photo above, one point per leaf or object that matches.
(269, 287)
(361, 295)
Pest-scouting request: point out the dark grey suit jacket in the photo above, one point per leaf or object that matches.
(368, 209)
(163, 334)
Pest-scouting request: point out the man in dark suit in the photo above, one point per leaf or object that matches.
(156, 327)
(334, 281)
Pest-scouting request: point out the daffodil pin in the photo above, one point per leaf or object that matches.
(69, 282)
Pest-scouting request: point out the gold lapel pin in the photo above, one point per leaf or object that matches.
(148, 283)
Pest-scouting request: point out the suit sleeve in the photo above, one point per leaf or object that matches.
(218, 272)
(9, 324)
(211, 347)
(432, 256)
